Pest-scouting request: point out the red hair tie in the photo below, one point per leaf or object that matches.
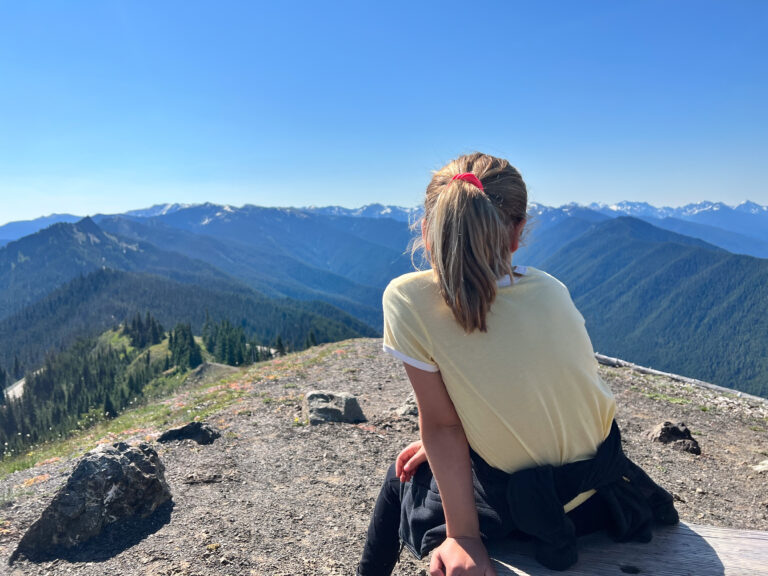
(469, 177)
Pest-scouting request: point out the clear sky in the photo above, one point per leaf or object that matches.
(109, 106)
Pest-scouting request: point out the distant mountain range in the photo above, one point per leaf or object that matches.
(679, 289)
(697, 210)
(369, 211)
(742, 229)
(15, 230)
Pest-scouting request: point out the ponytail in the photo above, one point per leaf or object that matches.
(467, 231)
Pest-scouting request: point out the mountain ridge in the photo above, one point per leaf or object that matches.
(347, 261)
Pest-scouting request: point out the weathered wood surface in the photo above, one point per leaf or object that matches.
(682, 550)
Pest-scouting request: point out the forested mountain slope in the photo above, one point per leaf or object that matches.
(371, 255)
(671, 302)
(271, 273)
(730, 240)
(35, 265)
(90, 304)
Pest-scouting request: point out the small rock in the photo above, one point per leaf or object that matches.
(321, 406)
(761, 467)
(676, 434)
(409, 407)
(108, 484)
(195, 478)
(200, 432)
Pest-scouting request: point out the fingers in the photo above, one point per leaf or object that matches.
(436, 566)
(410, 467)
(402, 468)
(402, 458)
(416, 460)
(401, 463)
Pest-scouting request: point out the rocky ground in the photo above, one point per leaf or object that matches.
(275, 496)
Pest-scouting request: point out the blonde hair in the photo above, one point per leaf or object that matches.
(468, 232)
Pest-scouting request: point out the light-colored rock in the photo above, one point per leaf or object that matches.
(409, 407)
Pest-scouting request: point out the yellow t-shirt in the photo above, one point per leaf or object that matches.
(527, 391)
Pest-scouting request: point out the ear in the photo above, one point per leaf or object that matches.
(424, 233)
(514, 235)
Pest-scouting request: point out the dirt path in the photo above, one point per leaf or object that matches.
(274, 497)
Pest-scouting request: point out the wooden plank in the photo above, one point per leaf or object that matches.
(682, 550)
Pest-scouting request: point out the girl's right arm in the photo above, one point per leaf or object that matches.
(442, 434)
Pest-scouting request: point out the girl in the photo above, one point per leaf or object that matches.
(516, 426)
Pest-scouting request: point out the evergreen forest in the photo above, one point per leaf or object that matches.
(97, 378)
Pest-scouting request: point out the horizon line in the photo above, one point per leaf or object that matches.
(183, 205)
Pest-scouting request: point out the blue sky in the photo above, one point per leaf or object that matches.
(108, 106)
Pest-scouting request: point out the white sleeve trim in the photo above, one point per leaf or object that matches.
(410, 361)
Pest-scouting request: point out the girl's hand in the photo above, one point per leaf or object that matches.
(409, 460)
(461, 557)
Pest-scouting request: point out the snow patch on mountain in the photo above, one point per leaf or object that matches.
(645, 210)
(157, 210)
(368, 211)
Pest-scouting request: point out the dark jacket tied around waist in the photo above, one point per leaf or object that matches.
(529, 503)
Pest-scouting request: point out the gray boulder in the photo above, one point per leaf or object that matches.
(677, 435)
(110, 483)
(200, 432)
(322, 406)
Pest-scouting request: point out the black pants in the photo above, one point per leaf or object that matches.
(382, 545)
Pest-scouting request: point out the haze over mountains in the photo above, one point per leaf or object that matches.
(679, 289)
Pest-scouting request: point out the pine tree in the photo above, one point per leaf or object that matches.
(185, 352)
(144, 331)
(109, 407)
(18, 370)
